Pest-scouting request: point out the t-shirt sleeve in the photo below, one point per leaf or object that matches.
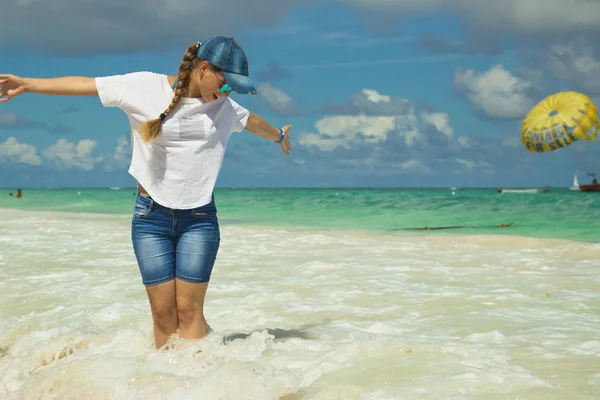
(239, 116)
(123, 90)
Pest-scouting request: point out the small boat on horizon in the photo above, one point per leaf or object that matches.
(542, 189)
(592, 187)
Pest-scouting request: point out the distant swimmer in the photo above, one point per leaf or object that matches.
(19, 194)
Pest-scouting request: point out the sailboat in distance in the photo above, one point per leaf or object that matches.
(575, 183)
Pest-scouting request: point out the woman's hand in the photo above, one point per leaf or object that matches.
(285, 144)
(260, 127)
(10, 86)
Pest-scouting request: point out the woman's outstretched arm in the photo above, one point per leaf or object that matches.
(262, 128)
(12, 86)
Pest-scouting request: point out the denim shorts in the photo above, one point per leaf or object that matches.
(171, 243)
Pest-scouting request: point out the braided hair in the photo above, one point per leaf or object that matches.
(152, 128)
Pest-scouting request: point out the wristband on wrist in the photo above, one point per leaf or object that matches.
(282, 136)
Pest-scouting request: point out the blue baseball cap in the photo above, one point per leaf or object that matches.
(227, 55)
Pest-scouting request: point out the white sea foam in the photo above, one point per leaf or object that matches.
(300, 314)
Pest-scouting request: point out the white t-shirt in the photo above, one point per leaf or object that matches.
(179, 168)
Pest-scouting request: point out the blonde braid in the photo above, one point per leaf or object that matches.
(152, 128)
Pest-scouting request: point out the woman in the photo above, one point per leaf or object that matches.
(180, 126)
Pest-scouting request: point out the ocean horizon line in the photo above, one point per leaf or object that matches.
(298, 187)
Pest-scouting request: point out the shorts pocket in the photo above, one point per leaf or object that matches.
(143, 206)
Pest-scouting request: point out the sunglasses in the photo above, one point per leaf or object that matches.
(225, 88)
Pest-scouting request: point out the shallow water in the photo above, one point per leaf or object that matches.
(558, 214)
(301, 314)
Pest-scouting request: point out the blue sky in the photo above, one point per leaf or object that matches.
(403, 93)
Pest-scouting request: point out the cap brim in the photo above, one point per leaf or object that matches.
(240, 84)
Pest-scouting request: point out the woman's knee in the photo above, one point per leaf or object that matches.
(188, 310)
(164, 313)
(190, 300)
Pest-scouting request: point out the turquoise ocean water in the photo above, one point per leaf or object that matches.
(316, 294)
(559, 213)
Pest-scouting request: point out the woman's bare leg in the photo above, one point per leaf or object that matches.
(190, 309)
(164, 310)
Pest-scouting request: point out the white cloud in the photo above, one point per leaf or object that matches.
(365, 126)
(116, 26)
(277, 100)
(323, 143)
(532, 16)
(407, 128)
(466, 163)
(414, 142)
(374, 128)
(524, 17)
(342, 131)
(374, 97)
(65, 154)
(413, 164)
(470, 165)
(399, 5)
(14, 152)
(134, 25)
(123, 152)
(68, 155)
(440, 121)
(575, 62)
(464, 141)
(121, 158)
(495, 92)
